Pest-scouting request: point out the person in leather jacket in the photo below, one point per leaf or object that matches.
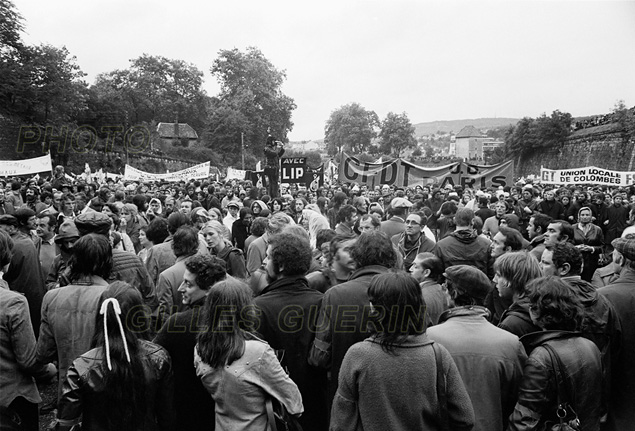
(124, 382)
(571, 372)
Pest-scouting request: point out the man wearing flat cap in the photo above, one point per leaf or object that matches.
(621, 294)
(481, 351)
(397, 223)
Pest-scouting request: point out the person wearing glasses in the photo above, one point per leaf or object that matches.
(413, 241)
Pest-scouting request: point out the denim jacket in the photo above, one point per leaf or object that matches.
(239, 389)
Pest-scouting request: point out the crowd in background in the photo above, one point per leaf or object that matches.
(192, 305)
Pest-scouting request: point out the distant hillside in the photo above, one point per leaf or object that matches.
(455, 126)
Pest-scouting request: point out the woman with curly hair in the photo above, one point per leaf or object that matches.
(239, 370)
(124, 382)
(563, 368)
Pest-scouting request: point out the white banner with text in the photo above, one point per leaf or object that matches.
(586, 175)
(26, 166)
(191, 173)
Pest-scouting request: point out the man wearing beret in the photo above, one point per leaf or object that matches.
(621, 294)
(490, 360)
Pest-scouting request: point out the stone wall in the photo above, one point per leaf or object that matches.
(603, 147)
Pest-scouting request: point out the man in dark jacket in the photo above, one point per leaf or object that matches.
(490, 360)
(550, 206)
(193, 405)
(538, 224)
(396, 223)
(622, 296)
(345, 310)
(464, 246)
(288, 308)
(413, 241)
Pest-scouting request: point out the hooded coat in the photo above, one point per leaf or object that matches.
(465, 247)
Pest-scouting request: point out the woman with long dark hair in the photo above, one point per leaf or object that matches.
(239, 370)
(562, 368)
(389, 381)
(124, 382)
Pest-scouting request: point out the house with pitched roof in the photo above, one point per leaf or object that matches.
(469, 143)
(175, 134)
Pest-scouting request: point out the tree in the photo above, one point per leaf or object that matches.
(625, 118)
(350, 128)
(530, 134)
(397, 134)
(154, 89)
(250, 102)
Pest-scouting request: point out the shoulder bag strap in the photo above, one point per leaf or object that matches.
(271, 419)
(441, 389)
(564, 393)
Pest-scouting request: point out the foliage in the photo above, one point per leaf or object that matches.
(416, 152)
(250, 102)
(313, 158)
(350, 128)
(625, 118)
(11, 25)
(531, 134)
(154, 89)
(397, 134)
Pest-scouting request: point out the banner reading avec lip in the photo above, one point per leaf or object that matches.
(402, 173)
(587, 175)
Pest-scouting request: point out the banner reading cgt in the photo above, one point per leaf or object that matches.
(293, 169)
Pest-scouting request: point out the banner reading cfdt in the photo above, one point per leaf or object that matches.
(402, 173)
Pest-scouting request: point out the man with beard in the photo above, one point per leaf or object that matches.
(33, 200)
(413, 241)
(616, 218)
(288, 308)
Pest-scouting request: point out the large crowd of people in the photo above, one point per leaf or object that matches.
(197, 305)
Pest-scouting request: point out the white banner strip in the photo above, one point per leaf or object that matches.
(586, 175)
(237, 174)
(192, 173)
(26, 166)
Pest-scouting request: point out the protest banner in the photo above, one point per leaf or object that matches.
(26, 166)
(293, 169)
(586, 175)
(402, 173)
(235, 174)
(314, 178)
(191, 173)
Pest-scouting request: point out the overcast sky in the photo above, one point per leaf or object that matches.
(434, 60)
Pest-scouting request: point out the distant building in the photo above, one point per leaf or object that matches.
(452, 151)
(176, 134)
(470, 142)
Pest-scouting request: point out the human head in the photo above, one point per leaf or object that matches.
(466, 285)
(92, 255)
(157, 230)
(373, 248)
(277, 222)
(505, 241)
(585, 215)
(512, 273)
(214, 233)
(396, 299)
(6, 250)
(463, 217)
(538, 224)
(558, 231)
(201, 273)
(185, 241)
(46, 225)
(232, 209)
(339, 257)
(561, 260)
(287, 255)
(369, 222)
(186, 206)
(9, 224)
(27, 220)
(624, 252)
(427, 266)
(259, 226)
(347, 215)
(415, 222)
(228, 319)
(134, 316)
(554, 305)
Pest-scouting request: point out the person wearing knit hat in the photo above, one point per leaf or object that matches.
(480, 349)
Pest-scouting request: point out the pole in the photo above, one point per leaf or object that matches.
(242, 147)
